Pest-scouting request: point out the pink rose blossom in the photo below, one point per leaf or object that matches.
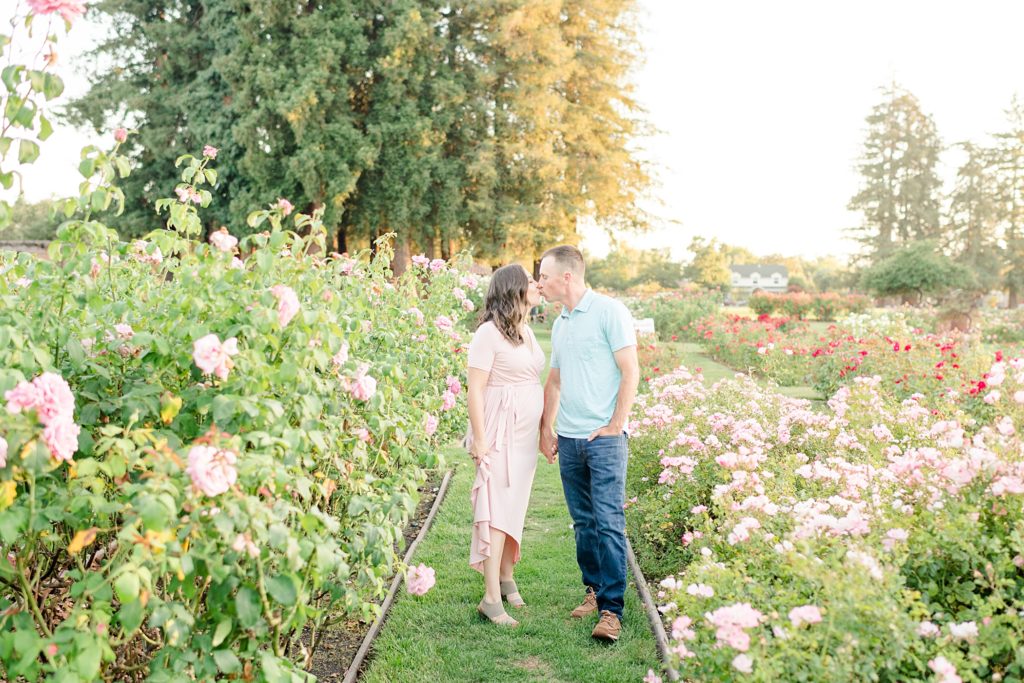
(945, 671)
(142, 253)
(362, 434)
(698, 509)
(429, 424)
(61, 437)
(120, 135)
(213, 357)
(469, 281)
(805, 614)
(927, 629)
(437, 265)
(48, 394)
(468, 306)
(1018, 396)
(69, 10)
(341, 356)
(731, 621)
(449, 400)
(700, 590)
(454, 385)
(223, 240)
(243, 543)
(967, 630)
(210, 152)
(420, 579)
(237, 263)
(212, 469)
(420, 260)
(285, 206)
(1018, 561)
(443, 322)
(743, 664)
(652, 677)
(362, 386)
(287, 303)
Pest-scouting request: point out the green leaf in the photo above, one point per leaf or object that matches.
(127, 587)
(7, 179)
(45, 128)
(247, 606)
(11, 76)
(223, 629)
(227, 661)
(87, 661)
(28, 151)
(5, 144)
(87, 167)
(98, 200)
(53, 86)
(283, 589)
(123, 167)
(130, 615)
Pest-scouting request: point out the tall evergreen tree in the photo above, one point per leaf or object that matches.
(1008, 166)
(494, 124)
(973, 214)
(899, 197)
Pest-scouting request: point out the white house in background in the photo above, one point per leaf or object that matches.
(767, 276)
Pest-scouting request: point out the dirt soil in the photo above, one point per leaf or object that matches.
(339, 645)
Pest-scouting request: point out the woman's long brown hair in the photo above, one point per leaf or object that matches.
(506, 304)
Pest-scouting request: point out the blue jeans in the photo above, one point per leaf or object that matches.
(594, 481)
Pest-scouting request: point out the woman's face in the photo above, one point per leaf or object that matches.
(532, 294)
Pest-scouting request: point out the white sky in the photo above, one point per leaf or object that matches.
(761, 107)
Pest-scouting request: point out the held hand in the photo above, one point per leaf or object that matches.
(607, 430)
(548, 447)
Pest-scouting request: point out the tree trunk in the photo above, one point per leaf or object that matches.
(446, 249)
(1012, 298)
(401, 261)
(342, 239)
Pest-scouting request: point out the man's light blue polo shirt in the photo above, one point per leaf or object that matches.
(583, 342)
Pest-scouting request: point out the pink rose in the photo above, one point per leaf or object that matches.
(243, 543)
(212, 469)
(213, 357)
(743, 664)
(449, 401)
(454, 385)
(944, 670)
(48, 394)
(468, 306)
(143, 254)
(120, 134)
(341, 356)
(437, 265)
(420, 579)
(285, 206)
(61, 437)
(362, 434)
(805, 614)
(287, 303)
(362, 386)
(210, 152)
(420, 260)
(223, 240)
(443, 322)
(69, 10)
(429, 424)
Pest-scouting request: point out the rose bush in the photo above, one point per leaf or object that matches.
(880, 540)
(208, 460)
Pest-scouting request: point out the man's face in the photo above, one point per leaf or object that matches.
(552, 283)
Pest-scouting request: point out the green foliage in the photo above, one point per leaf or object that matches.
(624, 268)
(489, 125)
(155, 572)
(918, 269)
(675, 313)
(710, 264)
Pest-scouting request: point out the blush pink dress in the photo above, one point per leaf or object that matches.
(513, 404)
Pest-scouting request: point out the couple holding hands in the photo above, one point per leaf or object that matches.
(577, 419)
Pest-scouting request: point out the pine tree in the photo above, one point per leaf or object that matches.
(971, 235)
(1008, 166)
(900, 193)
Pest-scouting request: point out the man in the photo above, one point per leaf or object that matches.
(590, 388)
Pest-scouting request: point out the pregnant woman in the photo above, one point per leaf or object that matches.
(505, 405)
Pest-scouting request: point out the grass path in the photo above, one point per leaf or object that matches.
(439, 637)
(694, 357)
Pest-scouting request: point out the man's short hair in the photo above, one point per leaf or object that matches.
(568, 257)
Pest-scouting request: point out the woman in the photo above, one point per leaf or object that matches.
(505, 405)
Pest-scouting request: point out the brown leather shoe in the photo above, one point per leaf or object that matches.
(608, 628)
(589, 606)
